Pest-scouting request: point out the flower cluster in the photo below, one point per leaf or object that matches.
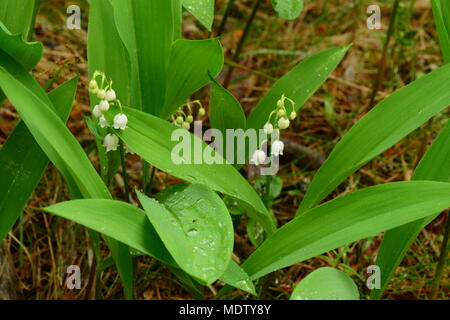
(278, 120)
(183, 118)
(108, 99)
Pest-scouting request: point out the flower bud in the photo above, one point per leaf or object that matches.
(190, 119)
(283, 123)
(179, 120)
(281, 113)
(120, 121)
(201, 112)
(186, 125)
(101, 94)
(293, 115)
(93, 86)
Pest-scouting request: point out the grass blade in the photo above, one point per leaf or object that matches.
(386, 124)
(346, 219)
(23, 162)
(435, 167)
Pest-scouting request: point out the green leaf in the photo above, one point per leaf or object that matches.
(196, 228)
(60, 146)
(23, 161)
(146, 28)
(19, 15)
(326, 284)
(118, 220)
(203, 10)
(106, 51)
(190, 65)
(25, 53)
(346, 219)
(441, 12)
(434, 166)
(48, 129)
(28, 54)
(151, 138)
(235, 276)
(288, 9)
(386, 124)
(299, 84)
(225, 111)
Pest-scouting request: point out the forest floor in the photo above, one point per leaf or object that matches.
(41, 246)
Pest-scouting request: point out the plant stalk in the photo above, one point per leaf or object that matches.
(442, 261)
(241, 42)
(381, 67)
(230, 6)
(124, 171)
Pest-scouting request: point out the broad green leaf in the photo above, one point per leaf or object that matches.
(22, 161)
(118, 220)
(288, 9)
(326, 284)
(299, 84)
(106, 51)
(195, 226)
(203, 10)
(441, 12)
(177, 19)
(235, 276)
(19, 15)
(49, 131)
(146, 28)
(434, 166)
(25, 53)
(225, 111)
(28, 54)
(191, 63)
(386, 124)
(151, 138)
(346, 219)
(60, 146)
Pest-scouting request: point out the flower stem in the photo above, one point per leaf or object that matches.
(442, 261)
(241, 42)
(230, 6)
(124, 171)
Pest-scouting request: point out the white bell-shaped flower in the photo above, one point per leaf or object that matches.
(120, 121)
(277, 148)
(104, 105)
(103, 122)
(111, 142)
(110, 95)
(258, 157)
(97, 112)
(268, 128)
(283, 123)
